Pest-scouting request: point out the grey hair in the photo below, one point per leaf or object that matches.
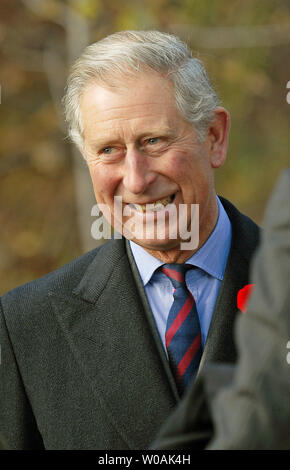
(128, 52)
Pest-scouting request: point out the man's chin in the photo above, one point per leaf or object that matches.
(156, 244)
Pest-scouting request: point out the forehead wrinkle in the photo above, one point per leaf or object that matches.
(119, 128)
(121, 116)
(123, 119)
(132, 105)
(116, 119)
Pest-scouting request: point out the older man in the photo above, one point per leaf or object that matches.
(96, 354)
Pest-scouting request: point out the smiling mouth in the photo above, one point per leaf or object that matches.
(156, 206)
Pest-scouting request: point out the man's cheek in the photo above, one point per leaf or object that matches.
(179, 166)
(103, 186)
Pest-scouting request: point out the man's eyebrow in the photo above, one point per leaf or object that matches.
(161, 131)
(108, 141)
(104, 142)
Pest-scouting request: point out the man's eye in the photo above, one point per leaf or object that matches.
(111, 154)
(107, 150)
(153, 140)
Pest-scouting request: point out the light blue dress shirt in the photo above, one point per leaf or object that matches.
(203, 282)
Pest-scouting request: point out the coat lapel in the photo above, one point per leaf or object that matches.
(151, 321)
(110, 337)
(220, 344)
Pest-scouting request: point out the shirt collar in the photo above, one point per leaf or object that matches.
(211, 256)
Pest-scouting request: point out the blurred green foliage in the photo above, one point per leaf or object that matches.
(245, 47)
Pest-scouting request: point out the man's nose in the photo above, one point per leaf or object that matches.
(138, 171)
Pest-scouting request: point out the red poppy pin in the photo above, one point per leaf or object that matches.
(243, 297)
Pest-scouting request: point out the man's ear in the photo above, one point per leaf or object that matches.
(218, 135)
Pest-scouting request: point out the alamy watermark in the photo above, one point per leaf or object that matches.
(288, 94)
(288, 354)
(147, 223)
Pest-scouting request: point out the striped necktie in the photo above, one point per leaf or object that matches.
(183, 334)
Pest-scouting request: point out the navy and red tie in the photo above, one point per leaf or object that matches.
(183, 334)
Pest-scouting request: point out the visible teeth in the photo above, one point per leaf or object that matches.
(156, 206)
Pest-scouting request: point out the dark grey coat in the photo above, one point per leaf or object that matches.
(83, 366)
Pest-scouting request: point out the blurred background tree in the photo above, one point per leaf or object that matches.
(45, 192)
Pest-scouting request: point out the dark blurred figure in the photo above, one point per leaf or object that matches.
(3, 445)
(248, 406)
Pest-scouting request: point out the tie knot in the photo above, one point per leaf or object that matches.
(176, 273)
